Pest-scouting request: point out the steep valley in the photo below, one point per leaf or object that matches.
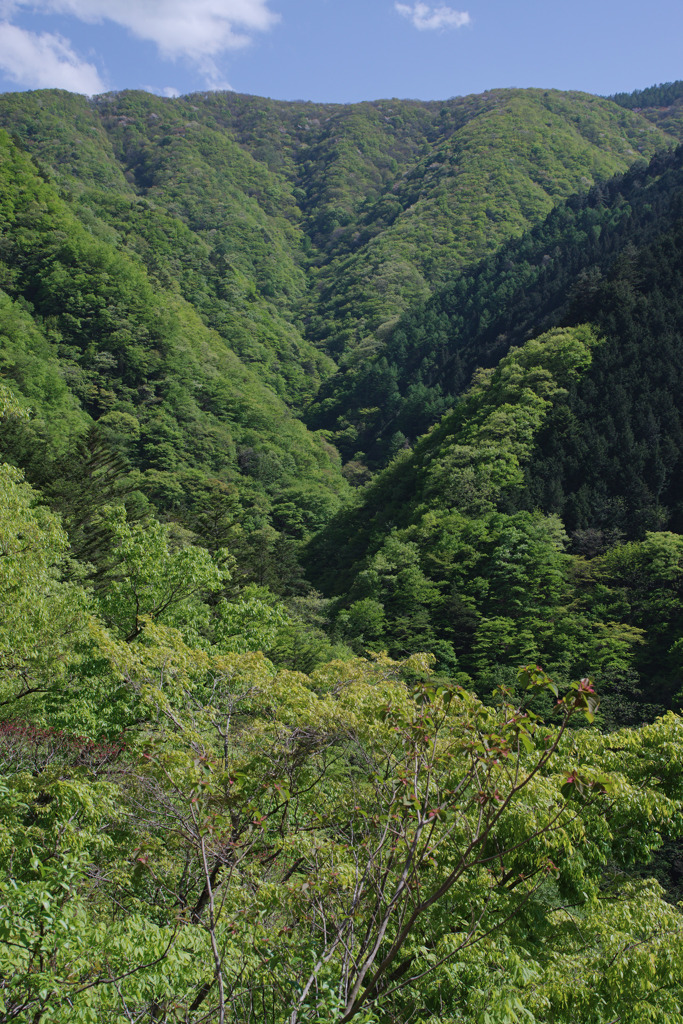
(341, 559)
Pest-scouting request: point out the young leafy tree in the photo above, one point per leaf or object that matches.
(150, 580)
(44, 619)
(368, 839)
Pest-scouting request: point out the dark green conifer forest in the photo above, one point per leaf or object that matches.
(341, 559)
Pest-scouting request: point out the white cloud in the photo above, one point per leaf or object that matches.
(424, 17)
(195, 29)
(45, 61)
(169, 91)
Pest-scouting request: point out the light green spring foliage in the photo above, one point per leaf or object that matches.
(492, 431)
(213, 222)
(44, 620)
(241, 823)
(439, 562)
(10, 407)
(341, 215)
(208, 811)
(89, 335)
(478, 585)
(151, 582)
(496, 164)
(32, 364)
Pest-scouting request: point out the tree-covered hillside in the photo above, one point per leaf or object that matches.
(105, 356)
(515, 507)
(610, 456)
(495, 167)
(195, 263)
(447, 549)
(546, 277)
(661, 104)
(426, 358)
(205, 218)
(367, 199)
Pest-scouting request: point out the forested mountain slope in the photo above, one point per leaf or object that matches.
(193, 264)
(398, 195)
(386, 199)
(609, 458)
(103, 354)
(173, 289)
(661, 104)
(544, 278)
(207, 219)
(227, 796)
(445, 549)
(494, 168)
(460, 544)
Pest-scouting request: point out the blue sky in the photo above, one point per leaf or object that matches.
(339, 50)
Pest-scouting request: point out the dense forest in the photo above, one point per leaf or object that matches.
(341, 559)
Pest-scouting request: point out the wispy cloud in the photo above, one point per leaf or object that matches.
(43, 61)
(425, 17)
(169, 91)
(180, 28)
(212, 74)
(199, 31)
